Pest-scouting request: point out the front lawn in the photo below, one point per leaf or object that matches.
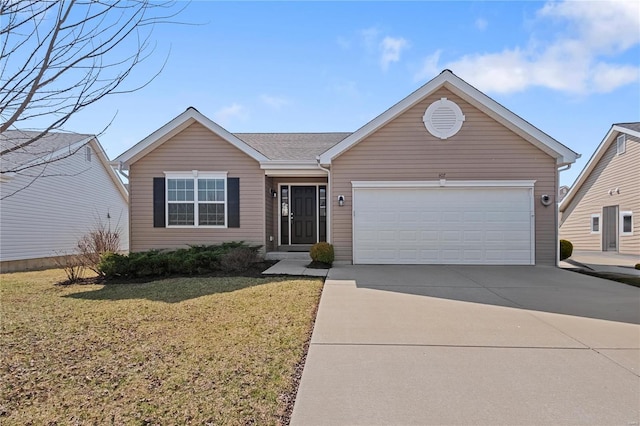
(176, 351)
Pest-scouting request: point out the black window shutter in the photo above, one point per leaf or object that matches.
(159, 203)
(233, 204)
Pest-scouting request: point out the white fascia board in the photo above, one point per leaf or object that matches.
(514, 122)
(292, 168)
(445, 184)
(625, 130)
(104, 160)
(174, 127)
(478, 99)
(591, 164)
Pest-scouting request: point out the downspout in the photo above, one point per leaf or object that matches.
(557, 217)
(329, 199)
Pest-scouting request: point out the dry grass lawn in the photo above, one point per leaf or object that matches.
(176, 351)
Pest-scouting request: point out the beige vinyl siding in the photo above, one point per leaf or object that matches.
(271, 215)
(612, 171)
(482, 150)
(195, 148)
(46, 217)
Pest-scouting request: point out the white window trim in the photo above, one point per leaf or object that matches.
(621, 144)
(195, 175)
(599, 223)
(621, 221)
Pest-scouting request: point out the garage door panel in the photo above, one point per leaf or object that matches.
(443, 225)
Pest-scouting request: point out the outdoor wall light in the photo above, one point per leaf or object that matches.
(545, 200)
(341, 200)
(274, 194)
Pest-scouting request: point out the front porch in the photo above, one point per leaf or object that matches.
(296, 211)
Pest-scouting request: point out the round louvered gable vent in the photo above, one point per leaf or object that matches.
(443, 118)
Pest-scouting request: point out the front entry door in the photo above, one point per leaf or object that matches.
(610, 228)
(303, 215)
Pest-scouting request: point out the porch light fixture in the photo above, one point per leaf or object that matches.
(274, 194)
(341, 200)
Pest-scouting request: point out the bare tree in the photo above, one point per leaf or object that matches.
(60, 56)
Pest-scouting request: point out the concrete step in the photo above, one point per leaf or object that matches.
(287, 255)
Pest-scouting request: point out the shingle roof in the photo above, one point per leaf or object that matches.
(631, 126)
(15, 149)
(291, 146)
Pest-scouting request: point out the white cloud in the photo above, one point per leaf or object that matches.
(275, 102)
(429, 67)
(226, 114)
(575, 60)
(391, 49)
(481, 24)
(369, 37)
(607, 77)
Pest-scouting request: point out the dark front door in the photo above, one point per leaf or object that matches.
(610, 228)
(303, 215)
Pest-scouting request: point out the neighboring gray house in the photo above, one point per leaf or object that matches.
(445, 176)
(600, 211)
(45, 209)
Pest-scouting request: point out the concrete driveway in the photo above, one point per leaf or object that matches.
(472, 345)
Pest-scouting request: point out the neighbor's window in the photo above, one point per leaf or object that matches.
(621, 144)
(206, 206)
(595, 223)
(626, 223)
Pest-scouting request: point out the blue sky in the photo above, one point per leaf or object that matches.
(569, 68)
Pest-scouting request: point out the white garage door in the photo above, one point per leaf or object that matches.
(421, 223)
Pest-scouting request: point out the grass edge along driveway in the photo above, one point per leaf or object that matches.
(175, 351)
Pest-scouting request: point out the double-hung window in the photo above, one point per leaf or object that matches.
(595, 223)
(626, 223)
(196, 198)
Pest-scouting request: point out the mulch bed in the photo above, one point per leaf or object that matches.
(254, 271)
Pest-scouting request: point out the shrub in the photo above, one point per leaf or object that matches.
(239, 259)
(566, 249)
(72, 265)
(114, 265)
(200, 259)
(637, 265)
(100, 240)
(322, 252)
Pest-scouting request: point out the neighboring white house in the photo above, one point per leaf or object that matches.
(45, 209)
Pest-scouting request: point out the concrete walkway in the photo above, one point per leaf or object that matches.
(471, 345)
(295, 267)
(604, 262)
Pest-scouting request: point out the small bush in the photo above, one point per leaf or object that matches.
(114, 265)
(637, 265)
(238, 259)
(93, 245)
(73, 266)
(566, 249)
(322, 252)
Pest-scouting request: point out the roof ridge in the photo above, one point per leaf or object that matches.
(289, 133)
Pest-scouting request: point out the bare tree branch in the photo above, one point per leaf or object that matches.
(59, 56)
